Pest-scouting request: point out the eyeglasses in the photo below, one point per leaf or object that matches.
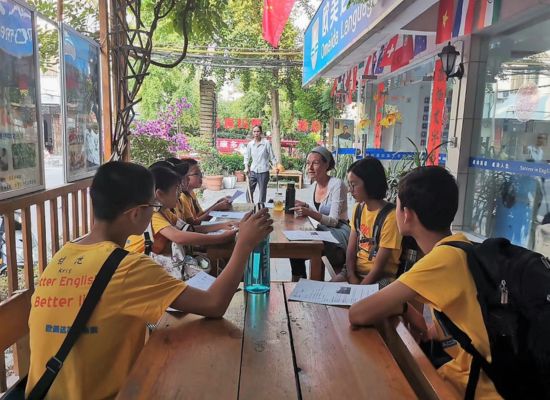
(156, 206)
(199, 174)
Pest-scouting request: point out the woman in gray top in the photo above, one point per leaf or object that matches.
(328, 206)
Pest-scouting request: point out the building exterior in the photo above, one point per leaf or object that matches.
(491, 128)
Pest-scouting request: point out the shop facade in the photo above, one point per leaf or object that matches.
(492, 128)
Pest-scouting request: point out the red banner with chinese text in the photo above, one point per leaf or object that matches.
(379, 110)
(439, 92)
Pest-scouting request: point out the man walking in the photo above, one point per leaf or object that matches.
(262, 155)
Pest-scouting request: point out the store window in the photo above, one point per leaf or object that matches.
(509, 181)
(407, 106)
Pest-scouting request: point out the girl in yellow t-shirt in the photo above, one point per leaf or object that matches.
(188, 208)
(164, 220)
(366, 264)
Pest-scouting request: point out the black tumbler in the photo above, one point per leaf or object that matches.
(290, 196)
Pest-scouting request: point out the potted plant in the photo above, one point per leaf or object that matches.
(212, 167)
(231, 165)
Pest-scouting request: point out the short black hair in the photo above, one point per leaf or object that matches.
(174, 160)
(432, 193)
(190, 162)
(371, 171)
(165, 178)
(119, 186)
(175, 164)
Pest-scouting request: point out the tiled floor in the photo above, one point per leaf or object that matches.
(280, 268)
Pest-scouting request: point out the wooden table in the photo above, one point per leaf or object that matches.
(266, 348)
(292, 174)
(280, 246)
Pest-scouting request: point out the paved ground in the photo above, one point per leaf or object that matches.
(280, 268)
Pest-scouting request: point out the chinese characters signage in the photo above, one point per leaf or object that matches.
(20, 158)
(439, 93)
(335, 27)
(82, 105)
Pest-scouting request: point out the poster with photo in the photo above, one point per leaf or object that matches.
(82, 100)
(344, 134)
(20, 139)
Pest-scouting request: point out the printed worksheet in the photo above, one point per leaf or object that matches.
(227, 214)
(331, 293)
(325, 236)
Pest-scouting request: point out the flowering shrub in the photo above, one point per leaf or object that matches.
(159, 138)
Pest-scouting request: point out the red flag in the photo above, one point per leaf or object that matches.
(444, 21)
(404, 54)
(276, 13)
(367, 68)
(439, 92)
(334, 86)
(389, 50)
(469, 17)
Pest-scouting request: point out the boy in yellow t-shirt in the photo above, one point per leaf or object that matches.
(426, 205)
(138, 293)
(366, 261)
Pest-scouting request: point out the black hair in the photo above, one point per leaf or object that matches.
(165, 178)
(259, 127)
(371, 171)
(432, 193)
(119, 186)
(174, 164)
(174, 160)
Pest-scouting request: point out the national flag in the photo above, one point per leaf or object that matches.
(403, 54)
(389, 51)
(469, 22)
(276, 13)
(334, 86)
(354, 80)
(489, 13)
(367, 70)
(379, 68)
(420, 44)
(445, 21)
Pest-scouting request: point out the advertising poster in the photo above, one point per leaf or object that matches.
(344, 134)
(20, 158)
(82, 99)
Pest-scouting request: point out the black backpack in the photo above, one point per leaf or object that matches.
(410, 252)
(513, 290)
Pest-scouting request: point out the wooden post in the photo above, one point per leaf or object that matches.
(107, 109)
(208, 109)
(275, 118)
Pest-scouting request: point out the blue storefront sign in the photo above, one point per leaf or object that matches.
(16, 34)
(335, 28)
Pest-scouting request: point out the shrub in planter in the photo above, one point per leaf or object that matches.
(232, 162)
(212, 167)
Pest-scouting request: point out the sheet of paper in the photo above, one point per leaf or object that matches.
(325, 236)
(236, 195)
(227, 214)
(201, 281)
(331, 293)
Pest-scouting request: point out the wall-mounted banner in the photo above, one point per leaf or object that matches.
(20, 138)
(528, 168)
(437, 122)
(82, 100)
(335, 28)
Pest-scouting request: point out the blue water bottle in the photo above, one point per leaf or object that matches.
(256, 274)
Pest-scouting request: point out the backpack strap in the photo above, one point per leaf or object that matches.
(357, 224)
(377, 228)
(53, 366)
(478, 361)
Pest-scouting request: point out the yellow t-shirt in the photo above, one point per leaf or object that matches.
(99, 362)
(390, 238)
(159, 221)
(188, 207)
(442, 278)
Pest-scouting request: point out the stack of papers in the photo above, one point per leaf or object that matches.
(227, 214)
(331, 293)
(325, 236)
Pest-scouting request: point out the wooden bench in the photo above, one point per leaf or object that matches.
(291, 174)
(416, 367)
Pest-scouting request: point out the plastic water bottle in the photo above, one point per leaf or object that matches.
(256, 275)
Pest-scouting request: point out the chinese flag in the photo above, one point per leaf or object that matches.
(389, 51)
(444, 21)
(276, 13)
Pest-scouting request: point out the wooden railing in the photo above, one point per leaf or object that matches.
(48, 219)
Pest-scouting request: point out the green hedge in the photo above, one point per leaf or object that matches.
(232, 162)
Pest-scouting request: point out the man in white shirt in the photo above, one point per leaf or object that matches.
(261, 152)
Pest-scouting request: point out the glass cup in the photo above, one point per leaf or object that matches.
(278, 202)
